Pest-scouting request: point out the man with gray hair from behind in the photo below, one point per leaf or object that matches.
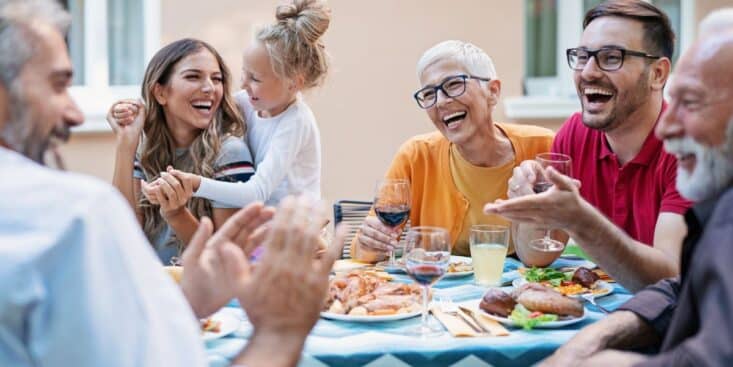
(79, 283)
(687, 320)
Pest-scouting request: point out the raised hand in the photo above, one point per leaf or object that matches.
(126, 118)
(561, 206)
(205, 283)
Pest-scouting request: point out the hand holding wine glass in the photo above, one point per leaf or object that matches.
(427, 255)
(392, 205)
(562, 163)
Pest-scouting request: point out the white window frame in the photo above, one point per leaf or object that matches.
(562, 101)
(95, 96)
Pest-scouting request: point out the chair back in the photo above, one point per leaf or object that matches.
(352, 214)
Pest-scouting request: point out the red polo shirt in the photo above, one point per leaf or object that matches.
(632, 195)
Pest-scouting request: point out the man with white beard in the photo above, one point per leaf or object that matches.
(689, 319)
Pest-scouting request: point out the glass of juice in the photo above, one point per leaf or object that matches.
(488, 251)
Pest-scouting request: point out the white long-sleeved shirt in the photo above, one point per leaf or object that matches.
(79, 283)
(287, 153)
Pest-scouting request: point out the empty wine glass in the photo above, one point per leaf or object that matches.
(427, 255)
(562, 163)
(392, 206)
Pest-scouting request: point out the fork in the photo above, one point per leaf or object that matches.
(449, 308)
(590, 298)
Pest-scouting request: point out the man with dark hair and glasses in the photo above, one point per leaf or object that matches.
(626, 214)
(464, 164)
(686, 320)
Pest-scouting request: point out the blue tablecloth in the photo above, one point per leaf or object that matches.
(338, 343)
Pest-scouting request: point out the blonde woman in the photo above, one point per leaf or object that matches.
(190, 123)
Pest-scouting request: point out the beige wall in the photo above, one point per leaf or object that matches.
(365, 110)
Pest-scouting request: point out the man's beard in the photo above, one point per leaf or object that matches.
(19, 134)
(713, 172)
(626, 103)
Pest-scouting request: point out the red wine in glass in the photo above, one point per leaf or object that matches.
(425, 274)
(392, 206)
(393, 216)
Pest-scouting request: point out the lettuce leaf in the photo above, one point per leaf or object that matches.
(521, 316)
(555, 277)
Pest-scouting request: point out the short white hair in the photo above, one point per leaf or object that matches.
(474, 59)
(718, 20)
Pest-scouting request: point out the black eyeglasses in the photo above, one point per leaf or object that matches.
(607, 58)
(452, 86)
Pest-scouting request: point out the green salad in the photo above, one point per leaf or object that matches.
(528, 319)
(554, 276)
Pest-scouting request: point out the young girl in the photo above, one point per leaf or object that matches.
(189, 122)
(286, 58)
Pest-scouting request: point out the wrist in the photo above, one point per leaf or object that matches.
(126, 144)
(173, 214)
(196, 183)
(199, 308)
(272, 348)
(587, 224)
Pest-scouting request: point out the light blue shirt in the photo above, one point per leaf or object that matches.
(79, 284)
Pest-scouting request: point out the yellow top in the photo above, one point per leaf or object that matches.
(424, 160)
(479, 185)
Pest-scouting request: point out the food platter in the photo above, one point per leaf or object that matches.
(600, 289)
(370, 318)
(226, 323)
(562, 322)
(370, 296)
(463, 265)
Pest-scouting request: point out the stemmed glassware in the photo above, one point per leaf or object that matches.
(427, 255)
(392, 205)
(562, 163)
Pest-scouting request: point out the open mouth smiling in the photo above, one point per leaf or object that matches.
(597, 96)
(452, 120)
(204, 106)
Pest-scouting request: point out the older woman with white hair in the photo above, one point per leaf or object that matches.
(466, 163)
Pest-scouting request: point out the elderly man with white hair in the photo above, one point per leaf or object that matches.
(464, 164)
(689, 320)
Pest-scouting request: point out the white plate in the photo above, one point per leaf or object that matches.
(544, 325)
(602, 288)
(376, 318)
(453, 259)
(229, 324)
(463, 259)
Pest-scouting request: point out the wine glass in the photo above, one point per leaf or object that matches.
(562, 163)
(427, 255)
(392, 206)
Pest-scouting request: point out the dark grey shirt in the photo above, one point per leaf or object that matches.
(693, 314)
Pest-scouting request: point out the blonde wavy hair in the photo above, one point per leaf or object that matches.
(294, 41)
(158, 150)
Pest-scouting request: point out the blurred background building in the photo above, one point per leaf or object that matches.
(365, 110)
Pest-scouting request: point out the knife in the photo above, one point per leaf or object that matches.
(469, 312)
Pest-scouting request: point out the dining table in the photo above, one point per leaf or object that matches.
(345, 343)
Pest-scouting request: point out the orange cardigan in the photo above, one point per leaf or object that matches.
(424, 161)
